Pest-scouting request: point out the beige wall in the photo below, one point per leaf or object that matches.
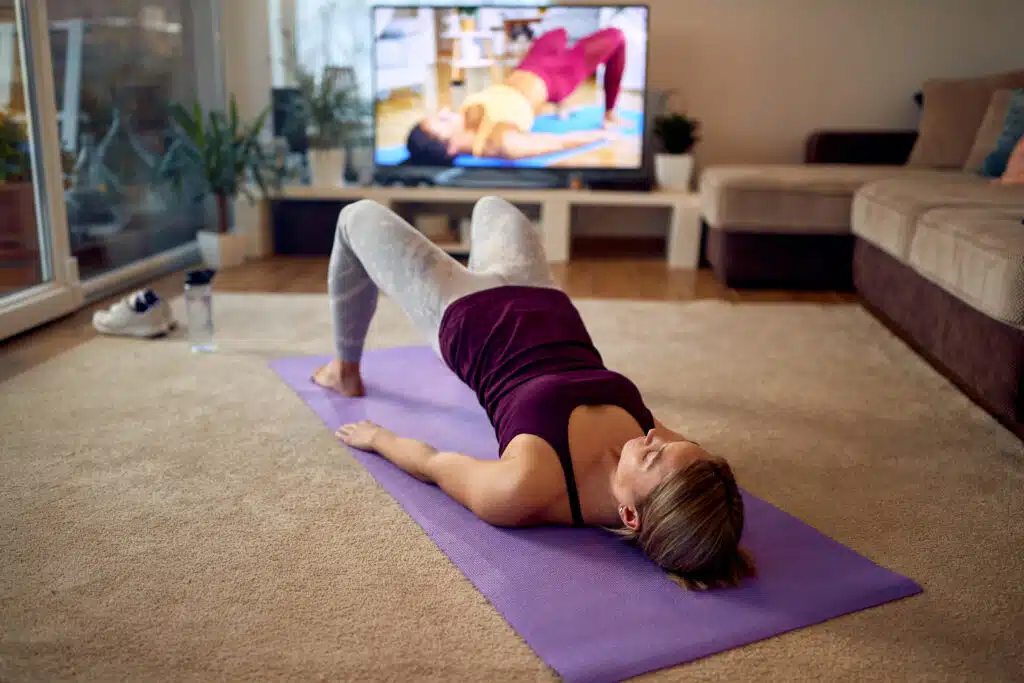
(762, 74)
(245, 35)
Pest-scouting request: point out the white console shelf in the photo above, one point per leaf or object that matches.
(684, 230)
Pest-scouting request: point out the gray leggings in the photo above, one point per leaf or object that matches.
(375, 250)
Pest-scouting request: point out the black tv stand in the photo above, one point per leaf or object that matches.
(519, 178)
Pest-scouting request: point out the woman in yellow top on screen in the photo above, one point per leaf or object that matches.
(496, 122)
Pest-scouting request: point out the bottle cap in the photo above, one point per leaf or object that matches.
(199, 277)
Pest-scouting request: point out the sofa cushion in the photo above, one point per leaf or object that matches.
(977, 255)
(953, 111)
(886, 212)
(804, 198)
(991, 128)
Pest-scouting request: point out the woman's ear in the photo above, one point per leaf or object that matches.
(629, 517)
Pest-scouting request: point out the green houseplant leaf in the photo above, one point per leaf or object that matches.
(15, 161)
(678, 133)
(217, 153)
(330, 109)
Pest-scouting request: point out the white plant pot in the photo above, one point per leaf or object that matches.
(327, 167)
(221, 250)
(674, 171)
(457, 92)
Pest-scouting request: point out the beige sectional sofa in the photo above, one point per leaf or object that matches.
(936, 254)
(785, 226)
(888, 213)
(975, 254)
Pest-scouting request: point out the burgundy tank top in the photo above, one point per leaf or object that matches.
(528, 356)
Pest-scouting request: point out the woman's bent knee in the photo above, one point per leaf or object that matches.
(614, 36)
(357, 214)
(492, 203)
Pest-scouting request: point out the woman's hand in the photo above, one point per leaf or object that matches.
(360, 435)
(408, 455)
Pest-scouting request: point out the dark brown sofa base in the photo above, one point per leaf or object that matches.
(780, 260)
(982, 356)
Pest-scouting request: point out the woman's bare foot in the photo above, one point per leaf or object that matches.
(613, 121)
(342, 377)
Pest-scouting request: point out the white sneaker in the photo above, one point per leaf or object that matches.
(140, 314)
(165, 310)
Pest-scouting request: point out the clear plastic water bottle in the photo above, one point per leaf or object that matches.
(199, 310)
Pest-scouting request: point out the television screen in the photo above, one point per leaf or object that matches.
(510, 87)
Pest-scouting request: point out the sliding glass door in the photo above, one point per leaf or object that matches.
(37, 278)
(26, 261)
(118, 65)
(86, 87)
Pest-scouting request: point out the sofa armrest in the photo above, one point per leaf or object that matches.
(884, 147)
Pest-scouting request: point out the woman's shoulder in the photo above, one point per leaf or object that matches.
(540, 482)
(535, 457)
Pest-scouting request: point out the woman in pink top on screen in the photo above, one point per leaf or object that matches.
(496, 122)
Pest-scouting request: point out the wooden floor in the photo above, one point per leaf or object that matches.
(642, 278)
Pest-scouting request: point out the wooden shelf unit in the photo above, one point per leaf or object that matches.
(683, 230)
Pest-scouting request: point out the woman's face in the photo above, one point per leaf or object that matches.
(443, 125)
(450, 128)
(645, 462)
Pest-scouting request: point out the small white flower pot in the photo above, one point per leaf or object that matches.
(674, 171)
(457, 91)
(221, 250)
(327, 167)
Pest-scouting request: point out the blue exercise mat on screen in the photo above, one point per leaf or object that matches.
(586, 118)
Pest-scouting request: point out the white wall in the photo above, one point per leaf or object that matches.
(762, 74)
(245, 35)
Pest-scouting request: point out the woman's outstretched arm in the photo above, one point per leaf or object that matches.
(516, 145)
(492, 489)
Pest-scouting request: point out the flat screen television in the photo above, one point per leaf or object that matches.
(507, 95)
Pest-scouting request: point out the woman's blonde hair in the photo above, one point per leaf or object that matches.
(690, 525)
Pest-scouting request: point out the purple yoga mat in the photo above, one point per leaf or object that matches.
(591, 607)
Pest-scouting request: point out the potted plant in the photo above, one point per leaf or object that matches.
(334, 115)
(467, 18)
(220, 156)
(17, 209)
(673, 165)
(14, 155)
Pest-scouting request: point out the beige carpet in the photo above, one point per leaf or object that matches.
(165, 516)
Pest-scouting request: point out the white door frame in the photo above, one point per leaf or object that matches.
(64, 292)
(61, 293)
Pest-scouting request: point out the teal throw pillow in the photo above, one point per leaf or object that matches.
(1013, 131)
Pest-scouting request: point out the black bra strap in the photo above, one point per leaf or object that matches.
(640, 413)
(570, 485)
